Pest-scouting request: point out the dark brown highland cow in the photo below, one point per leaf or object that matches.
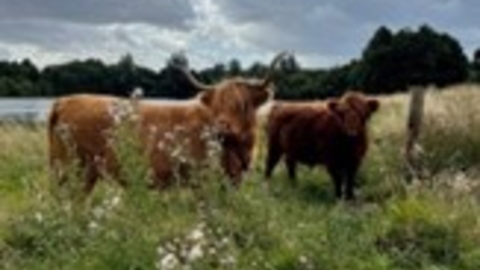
(228, 106)
(332, 133)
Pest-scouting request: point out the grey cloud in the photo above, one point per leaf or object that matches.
(50, 35)
(342, 28)
(169, 13)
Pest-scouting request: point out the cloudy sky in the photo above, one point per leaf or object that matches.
(321, 33)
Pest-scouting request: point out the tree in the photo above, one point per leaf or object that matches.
(234, 67)
(393, 62)
(173, 83)
(289, 64)
(474, 75)
(476, 59)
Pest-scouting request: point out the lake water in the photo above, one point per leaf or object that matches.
(24, 109)
(31, 109)
(37, 109)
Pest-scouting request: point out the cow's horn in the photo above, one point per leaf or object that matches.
(275, 61)
(196, 83)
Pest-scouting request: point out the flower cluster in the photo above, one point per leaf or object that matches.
(201, 245)
(178, 145)
(122, 110)
(210, 136)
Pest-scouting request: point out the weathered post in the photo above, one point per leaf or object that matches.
(414, 123)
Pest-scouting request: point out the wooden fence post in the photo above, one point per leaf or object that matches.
(414, 123)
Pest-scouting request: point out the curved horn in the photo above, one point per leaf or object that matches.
(196, 83)
(275, 61)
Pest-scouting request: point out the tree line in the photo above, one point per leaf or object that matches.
(390, 62)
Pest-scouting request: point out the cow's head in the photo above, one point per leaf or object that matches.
(233, 103)
(354, 109)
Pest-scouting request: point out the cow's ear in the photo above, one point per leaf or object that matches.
(373, 105)
(206, 97)
(260, 97)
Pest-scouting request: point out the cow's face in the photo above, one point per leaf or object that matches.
(354, 109)
(234, 103)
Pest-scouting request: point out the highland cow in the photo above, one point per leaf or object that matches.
(229, 107)
(332, 133)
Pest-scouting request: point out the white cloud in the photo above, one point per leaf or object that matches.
(321, 32)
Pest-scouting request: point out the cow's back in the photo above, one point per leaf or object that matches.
(77, 127)
(304, 132)
(83, 124)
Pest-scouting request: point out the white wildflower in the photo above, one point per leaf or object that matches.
(38, 216)
(170, 261)
(195, 253)
(224, 241)
(98, 212)
(169, 136)
(212, 251)
(92, 225)
(115, 201)
(160, 250)
(161, 145)
(303, 259)
(196, 235)
(152, 129)
(228, 260)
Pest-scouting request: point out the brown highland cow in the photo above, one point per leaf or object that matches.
(228, 106)
(332, 133)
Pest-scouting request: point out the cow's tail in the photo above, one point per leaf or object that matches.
(55, 147)
(53, 118)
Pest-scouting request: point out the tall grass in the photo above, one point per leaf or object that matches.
(430, 223)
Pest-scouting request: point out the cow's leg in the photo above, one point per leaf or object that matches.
(337, 177)
(273, 157)
(350, 175)
(161, 179)
(91, 177)
(292, 170)
(58, 172)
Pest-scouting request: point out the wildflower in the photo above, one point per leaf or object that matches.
(302, 259)
(38, 216)
(170, 261)
(212, 251)
(196, 235)
(152, 130)
(169, 136)
(98, 212)
(160, 250)
(92, 225)
(195, 253)
(161, 145)
(228, 260)
(115, 200)
(224, 241)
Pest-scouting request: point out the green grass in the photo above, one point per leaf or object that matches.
(426, 223)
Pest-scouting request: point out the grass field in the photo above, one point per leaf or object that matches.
(428, 222)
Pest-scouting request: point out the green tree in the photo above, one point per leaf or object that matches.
(172, 82)
(393, 62)
(474, 75)
(234, 67)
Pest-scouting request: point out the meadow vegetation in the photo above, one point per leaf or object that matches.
(429, 221)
